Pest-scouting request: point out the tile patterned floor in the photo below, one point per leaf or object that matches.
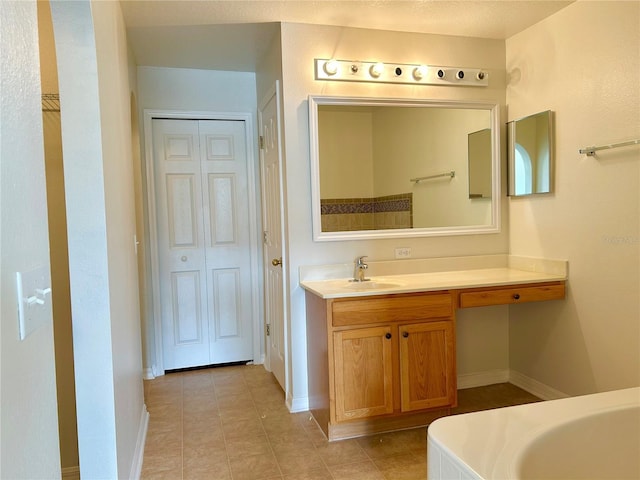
(231, 423)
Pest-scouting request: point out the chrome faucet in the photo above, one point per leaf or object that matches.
(358, 270)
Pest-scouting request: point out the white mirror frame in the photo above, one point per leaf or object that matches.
(320, 236)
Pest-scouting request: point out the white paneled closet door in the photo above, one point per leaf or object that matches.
(204, 252)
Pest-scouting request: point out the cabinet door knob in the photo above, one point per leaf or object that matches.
(387, 336)
(405, 334)
(516, 296)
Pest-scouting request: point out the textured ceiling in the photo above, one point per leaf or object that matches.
(232, 34)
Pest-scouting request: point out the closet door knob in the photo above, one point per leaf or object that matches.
(276, 261)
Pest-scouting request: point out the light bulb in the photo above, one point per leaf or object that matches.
(330, 67)
(376, 70)
(419, 72)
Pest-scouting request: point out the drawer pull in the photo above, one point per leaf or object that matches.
(405, 334)
(387, 336)
(516, 296)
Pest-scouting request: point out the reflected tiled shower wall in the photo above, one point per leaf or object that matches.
(376, 213)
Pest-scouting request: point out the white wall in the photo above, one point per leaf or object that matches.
(29, 446)
(115, 117)
(199, 90)
(95, 100)
(300, 45)
(584, 64)
(191, 90)
(269, 68)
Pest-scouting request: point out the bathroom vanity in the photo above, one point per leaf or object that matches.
(381, 354)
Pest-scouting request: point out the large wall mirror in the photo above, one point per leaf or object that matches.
(531, 158)
(400, 168)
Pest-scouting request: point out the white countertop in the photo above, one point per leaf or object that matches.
(424, 282)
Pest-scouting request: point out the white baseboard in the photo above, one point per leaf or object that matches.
(71, 473)
(535, 387)
(480, 379)
(297, 404)
(147, 374)
(138, 454)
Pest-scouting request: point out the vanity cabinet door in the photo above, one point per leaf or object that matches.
(427, 365)
(363, 372)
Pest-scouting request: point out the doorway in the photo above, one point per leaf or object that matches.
(203, 229)
(273, 235)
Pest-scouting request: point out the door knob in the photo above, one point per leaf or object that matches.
(276, 261)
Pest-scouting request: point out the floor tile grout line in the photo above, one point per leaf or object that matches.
(266, 435)
(261, 426)
(315, 447)
(224, 437)
(182, 426)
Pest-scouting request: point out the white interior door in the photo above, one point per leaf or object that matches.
(227, 239)
(204, 251)
(273, 239)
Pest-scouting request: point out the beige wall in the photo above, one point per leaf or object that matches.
(584, 64)
(300, 45)
(440, 146)
(345, 146)
(59, 255)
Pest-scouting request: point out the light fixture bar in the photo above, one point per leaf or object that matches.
(356, 71)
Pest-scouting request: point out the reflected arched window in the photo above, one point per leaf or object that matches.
(544, 174)
(523, 174)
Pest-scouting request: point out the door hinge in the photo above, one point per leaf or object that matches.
(268, 329)
(261, 142)
(265, 237)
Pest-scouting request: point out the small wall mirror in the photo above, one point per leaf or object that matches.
(386, 168)
(531, 156)
(479, 148)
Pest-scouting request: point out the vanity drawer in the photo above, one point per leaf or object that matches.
(393, 308)
(512, 295)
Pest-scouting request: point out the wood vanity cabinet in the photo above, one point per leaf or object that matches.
(511, 294)
(380, 362)
(387, 362)
(363, 372)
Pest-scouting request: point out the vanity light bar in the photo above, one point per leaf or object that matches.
(356, 71)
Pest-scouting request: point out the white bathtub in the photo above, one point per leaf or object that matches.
(589, 437)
